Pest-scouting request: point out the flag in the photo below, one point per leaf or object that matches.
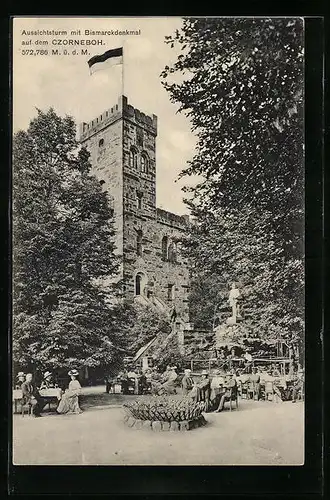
(108, 59)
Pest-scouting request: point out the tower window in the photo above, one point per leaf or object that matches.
(164, 247)
(172, 252)
(101, 143)
(139, 243)
(139, 197)
(144, 163)
(133, 157)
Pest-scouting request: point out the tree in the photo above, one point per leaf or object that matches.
(241, 85)
(144, 323)
(63, 252)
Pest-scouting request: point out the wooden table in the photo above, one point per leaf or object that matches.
(51, 395)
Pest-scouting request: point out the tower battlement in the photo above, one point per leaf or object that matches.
(122, 109)
(165, 217)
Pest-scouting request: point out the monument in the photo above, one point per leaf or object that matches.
(234, 300)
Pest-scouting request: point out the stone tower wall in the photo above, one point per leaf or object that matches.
(109, 138)
(103, 137)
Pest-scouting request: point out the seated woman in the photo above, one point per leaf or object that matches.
(217, 384)
(70, 399)
(169, 386)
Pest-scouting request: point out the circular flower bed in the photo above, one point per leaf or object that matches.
(164, 413)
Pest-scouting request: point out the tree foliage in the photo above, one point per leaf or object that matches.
(241, 85)
(143, 324)
(63, 252)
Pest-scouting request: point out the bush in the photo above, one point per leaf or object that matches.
(165, 409)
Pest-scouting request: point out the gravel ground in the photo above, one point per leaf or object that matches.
(258, 433)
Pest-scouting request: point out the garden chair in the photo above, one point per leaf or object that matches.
(244, 390)
(269, 390)
(251, 390)
(233, 398)
(26, 408)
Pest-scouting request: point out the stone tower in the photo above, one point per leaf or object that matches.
(122, 143)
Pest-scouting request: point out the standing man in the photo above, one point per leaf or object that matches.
(255, 378)
(31, 395)
(173, 315)
(109, 382)
(123, 377)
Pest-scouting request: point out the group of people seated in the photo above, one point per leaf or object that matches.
(31, 394)
(131, 380)
(285, 387)
(215, 391)
(148, 381)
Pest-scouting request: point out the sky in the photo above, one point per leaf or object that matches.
(64, 83)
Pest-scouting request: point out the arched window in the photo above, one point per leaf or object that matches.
(133, 157)
(101, 143)
(139, 243)
(140, 283)
(164, 247)
(172, 253)
(144, 163)
(138, 279)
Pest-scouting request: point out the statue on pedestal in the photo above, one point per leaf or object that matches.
(234, 296)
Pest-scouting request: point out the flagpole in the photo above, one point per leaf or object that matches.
(123, 72)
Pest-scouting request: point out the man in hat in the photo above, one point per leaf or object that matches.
(187, 382)
(47, 382)
(20, 380)
(31, 395)
(204, 389)
(231, 390)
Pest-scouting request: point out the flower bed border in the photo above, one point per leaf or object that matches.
(158, 425)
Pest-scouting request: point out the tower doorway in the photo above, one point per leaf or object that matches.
(140, 283)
